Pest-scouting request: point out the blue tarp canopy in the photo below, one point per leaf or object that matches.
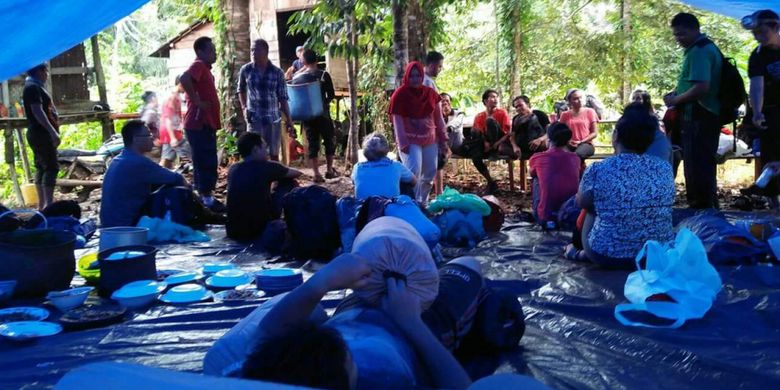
(39, 31)
(734, 8)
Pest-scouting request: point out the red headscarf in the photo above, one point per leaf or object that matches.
(413, 102)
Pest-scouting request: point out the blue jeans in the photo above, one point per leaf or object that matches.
(535, 193)
(203, 145)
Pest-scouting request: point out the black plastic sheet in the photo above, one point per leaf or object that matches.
(572, 340)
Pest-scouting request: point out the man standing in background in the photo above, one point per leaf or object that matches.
(203, 120)
(262, 92)
(42, 133)
(764, 73)
(696, 99)
(434, 63)
(171, 136)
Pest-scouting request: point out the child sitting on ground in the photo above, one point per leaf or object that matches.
(555, 174)
(379, 176)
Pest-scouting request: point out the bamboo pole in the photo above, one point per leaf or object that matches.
(25, 158)
(9, 159)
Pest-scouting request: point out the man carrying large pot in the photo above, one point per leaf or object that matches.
(262, 93)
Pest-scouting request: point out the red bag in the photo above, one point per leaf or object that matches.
(295, 149)
(494, 221)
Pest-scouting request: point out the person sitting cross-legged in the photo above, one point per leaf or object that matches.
(627, 199)
(555, 173)
(132, 177)
(380, 176)
(528, 134)
(249, 203)
(492, 127)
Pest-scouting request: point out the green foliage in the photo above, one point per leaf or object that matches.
(229, 141)
(87, 136)
(580, 44)
(328, 31)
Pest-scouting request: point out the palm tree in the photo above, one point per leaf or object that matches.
(400, 40)
(235, 53)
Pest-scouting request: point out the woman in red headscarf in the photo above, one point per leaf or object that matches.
(420, 131)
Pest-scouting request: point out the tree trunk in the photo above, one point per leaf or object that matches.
(400, 40)
(515, 77)
(417, 26)
(235, 53)
(352, 74)
(625, 26)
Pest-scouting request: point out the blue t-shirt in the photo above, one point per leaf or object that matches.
(127, 186)
(633, 196)
(382, 177)
(384, 359)
(661, 147)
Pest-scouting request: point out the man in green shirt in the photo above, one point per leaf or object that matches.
(696, 100)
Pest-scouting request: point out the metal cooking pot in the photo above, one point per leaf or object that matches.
(122, 236)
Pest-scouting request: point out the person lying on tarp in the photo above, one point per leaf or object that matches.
(397, 330)
(380, 176)
(626, 199)
(249, 202)
(134, 186)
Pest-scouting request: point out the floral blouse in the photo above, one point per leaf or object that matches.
(633, 196)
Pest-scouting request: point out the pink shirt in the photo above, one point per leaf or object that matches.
(579, 124)
(420, 131)
(558, 173)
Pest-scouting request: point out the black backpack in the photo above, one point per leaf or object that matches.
(732, 88)
(312, 222)
(178, 201)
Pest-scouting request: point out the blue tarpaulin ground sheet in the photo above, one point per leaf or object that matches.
(572, 339)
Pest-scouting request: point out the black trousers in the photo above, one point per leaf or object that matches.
(492, 134)
(699, 137)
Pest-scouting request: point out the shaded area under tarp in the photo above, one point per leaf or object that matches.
(572, 339)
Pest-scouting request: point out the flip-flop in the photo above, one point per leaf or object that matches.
(319, 179)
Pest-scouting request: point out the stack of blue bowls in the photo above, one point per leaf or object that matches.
(278, 280)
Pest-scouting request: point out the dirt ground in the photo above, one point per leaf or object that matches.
(461, 175)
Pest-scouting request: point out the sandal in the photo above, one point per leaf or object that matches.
(331, 174)
(319, 179)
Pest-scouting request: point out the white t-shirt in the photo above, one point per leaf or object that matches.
(380, 178)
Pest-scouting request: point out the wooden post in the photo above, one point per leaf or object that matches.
(285, 139)
(523, 176)
(511, 165)
(108, 127)
(23, 153)
(100, 78)
(9, 159)
(98, 66)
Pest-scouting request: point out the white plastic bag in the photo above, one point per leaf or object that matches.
(679, 269)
